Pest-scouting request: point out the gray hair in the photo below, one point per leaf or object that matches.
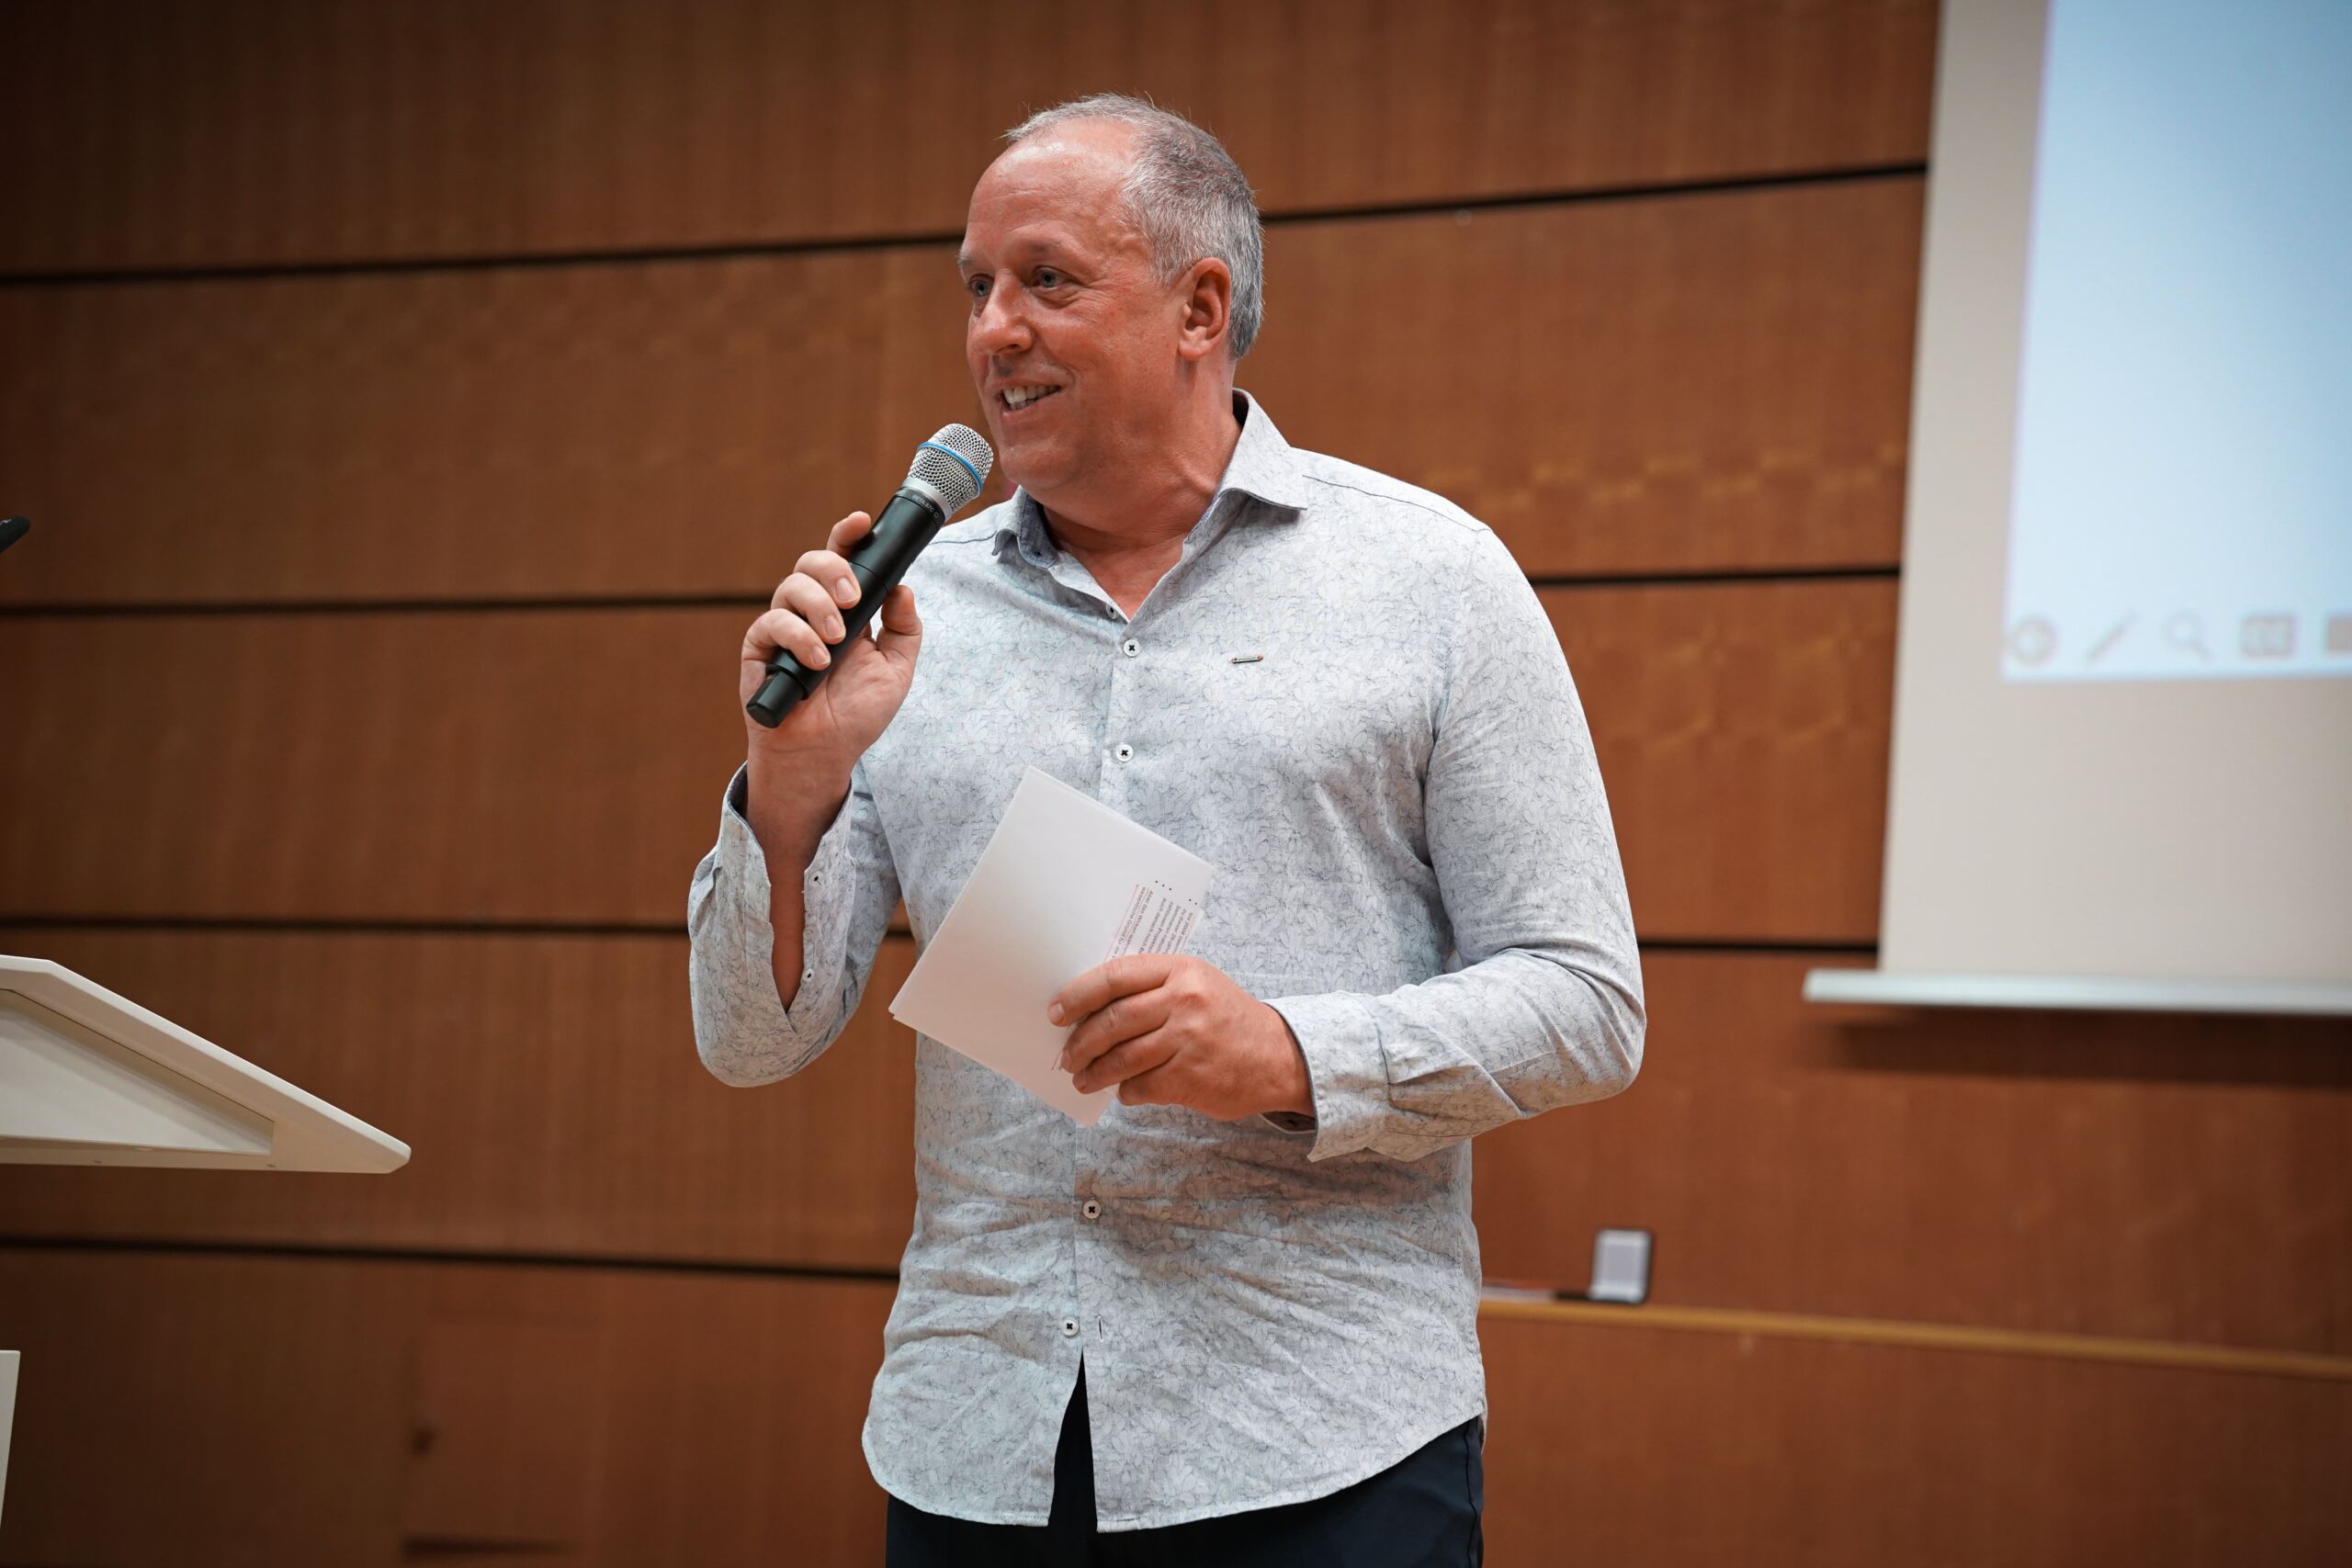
(1187, 196)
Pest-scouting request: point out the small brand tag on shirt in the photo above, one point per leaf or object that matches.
(1243, 658)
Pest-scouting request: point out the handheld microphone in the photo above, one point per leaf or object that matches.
(948, 472)
(14, 528)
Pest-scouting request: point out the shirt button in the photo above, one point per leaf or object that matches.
(1131, 648)
(1125, 753)
(1091, 1208)
(1069, 1328)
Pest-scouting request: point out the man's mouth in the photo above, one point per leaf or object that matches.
(1014, 398)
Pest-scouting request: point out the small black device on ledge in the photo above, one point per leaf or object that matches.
(14, 528)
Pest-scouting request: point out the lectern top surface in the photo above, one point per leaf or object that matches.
(91, 1077)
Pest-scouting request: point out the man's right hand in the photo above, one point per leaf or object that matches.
(799, 772)
(866, 678)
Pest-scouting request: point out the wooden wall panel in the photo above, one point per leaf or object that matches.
(1707, 383)
(265, 1412)
(2172, 1178)
(1695, 384)
(548, 1085)
(1638, 1445)
(412, 767)
(1742, 730)
(197, 133)
(497, 766)
(198, 1410)
(541, 433)
(2160, 1178)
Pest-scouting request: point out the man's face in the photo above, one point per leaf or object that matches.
(1064, 302)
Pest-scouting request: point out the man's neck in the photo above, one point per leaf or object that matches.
(1128, 543)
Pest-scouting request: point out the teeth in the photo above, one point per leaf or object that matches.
(1022, 397)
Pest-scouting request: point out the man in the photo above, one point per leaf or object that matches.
(1235, 1321)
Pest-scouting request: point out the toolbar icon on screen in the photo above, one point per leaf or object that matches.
(2339, 633)
(2033, 640)
(2184, 633)
(2267, 636)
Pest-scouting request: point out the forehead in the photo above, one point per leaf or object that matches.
(1057, 192)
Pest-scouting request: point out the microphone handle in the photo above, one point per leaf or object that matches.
(911, 521)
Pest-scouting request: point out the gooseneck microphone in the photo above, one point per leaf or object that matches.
(948, 472)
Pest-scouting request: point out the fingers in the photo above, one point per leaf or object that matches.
(1120, 1021)
(805, 612)
(1123, 1062)
(786, 630)
(828, 569)
(1121, 976)
(827, 575)
(1155, 1086)
(805, 597)
(847, 532)
(897, 629)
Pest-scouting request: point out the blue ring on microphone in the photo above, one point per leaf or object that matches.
(978, 483)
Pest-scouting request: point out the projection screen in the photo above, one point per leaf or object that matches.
(2122, 757)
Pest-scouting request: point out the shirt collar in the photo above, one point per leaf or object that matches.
(1263, 464)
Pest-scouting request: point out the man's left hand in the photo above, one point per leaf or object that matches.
(1175, 1031)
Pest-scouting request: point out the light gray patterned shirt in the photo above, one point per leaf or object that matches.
(1345, 697)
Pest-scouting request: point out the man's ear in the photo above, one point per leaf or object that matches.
(1207, 301)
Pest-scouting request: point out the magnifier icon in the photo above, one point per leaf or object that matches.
(2184, 633)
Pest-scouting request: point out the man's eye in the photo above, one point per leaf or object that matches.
(976, 286)
(1047, 278)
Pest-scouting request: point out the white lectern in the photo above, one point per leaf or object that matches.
(89, 1078)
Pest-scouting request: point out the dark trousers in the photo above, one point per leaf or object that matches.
(1422, 1511)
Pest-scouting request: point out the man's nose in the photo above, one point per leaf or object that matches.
(1001, 325)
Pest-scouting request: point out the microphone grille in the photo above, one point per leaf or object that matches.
(953, 465)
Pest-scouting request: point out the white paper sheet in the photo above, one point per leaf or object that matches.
(1064, 883)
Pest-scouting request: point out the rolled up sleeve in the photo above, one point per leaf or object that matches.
(743, 1033)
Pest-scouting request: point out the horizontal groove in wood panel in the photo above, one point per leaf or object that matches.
(1730, 945)
(1717, 385)
(134, 609)
(898, 926)
(314, 1252)
(285, 131)
(510, 769)
(2141, 1178)
(689, 255)
(515, 930)
(2162, 1355)
(1812, 1454)
(550, 605)
(1741, 578)
(549, 1089)
(20, 921)
(203, 1411)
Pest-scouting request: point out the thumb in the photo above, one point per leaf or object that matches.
(897, 629)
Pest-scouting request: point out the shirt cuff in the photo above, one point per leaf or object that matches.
(1345, 1068)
